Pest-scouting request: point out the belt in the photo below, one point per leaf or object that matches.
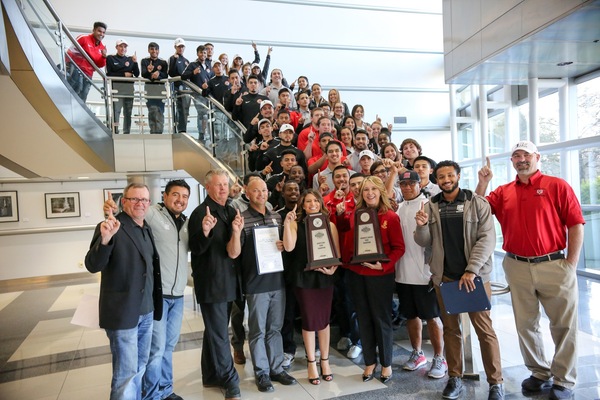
(559, 255)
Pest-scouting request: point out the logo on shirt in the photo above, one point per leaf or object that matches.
(460, 208)
(127, 63)
(384, 225)
(540, 192)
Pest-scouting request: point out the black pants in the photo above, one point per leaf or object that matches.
(216, 362)
(287, 331)
(373, 300)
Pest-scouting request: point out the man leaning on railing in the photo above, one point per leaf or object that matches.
(77, 65)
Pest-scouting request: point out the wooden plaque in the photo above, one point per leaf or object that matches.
(368, 246)
(321, 250)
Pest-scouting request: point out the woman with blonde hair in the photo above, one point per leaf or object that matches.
(224, 58)
(372, 283)
(334, 97)
(313, 288)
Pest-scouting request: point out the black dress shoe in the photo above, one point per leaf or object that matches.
(533, 384)
(385, 379)
(232, 392)
(453, 388)
(560, 392)
(263, 383)
(367, 378)
(284, 378)
(173, 396)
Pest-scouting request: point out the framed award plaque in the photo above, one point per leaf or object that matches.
(321, 250)
(367, 237)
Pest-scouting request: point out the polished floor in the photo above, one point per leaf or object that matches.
(43, 356)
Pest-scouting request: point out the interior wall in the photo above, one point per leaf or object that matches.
(29, 253)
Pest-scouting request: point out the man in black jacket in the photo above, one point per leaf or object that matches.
(247, 106)
(155, 69)
(177, 64)
(212, 228)
(124, 66)
(130, 288)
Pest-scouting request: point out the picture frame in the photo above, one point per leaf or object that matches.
(9, 206)
(116, 194)
(62, 205)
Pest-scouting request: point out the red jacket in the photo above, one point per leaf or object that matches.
(93, 49)
(391, 237)
(346, 237)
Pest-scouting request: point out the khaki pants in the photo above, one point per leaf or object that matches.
(488, 342)
(554, 285)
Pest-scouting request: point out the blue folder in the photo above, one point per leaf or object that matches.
(460, 301)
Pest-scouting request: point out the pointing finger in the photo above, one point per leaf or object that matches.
(423, 206)
(487, 162)
(110, 213)
(208, 211)
(295, 206)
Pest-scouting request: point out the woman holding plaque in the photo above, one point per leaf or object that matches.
(313, 288)
(372, 283)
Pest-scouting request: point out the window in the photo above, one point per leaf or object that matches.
(588, 108)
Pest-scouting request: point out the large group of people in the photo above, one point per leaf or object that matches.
(311, 155)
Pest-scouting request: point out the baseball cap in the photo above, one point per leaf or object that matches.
(409, 176)
(122, 41)
(366, 153)
(217, 61)
(179, 42)
(286, 127)
(526, 146)
(254, 65)
(262, 121)
(265, 102)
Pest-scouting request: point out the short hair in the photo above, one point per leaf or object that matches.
(233, 71)
(357, 175)
(362, 132)
(323, 119)
(289, 182)
(289, 151)
(249, 176)
(209, 44)
(374, 166)
(99, 24)
(341, 166)
(153, 45)
(431, 163)
(135, 185)
(213, 172)
(253, 77)
(200, 48)
(447, 163)
(333, 142)
(413, 141)
(176, 182)
(324, 104)
(283, 111)
(276, 69)
(315, 109)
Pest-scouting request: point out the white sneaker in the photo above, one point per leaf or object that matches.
(439, 367)
(288, 359)
(354, 351)
(344, 343)
(417, 359)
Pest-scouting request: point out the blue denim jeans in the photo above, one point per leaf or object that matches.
(130, 350)
(158, 380)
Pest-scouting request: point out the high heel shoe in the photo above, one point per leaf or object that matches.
(313, 381)
(385, 378)
(329, 377)
(368, 377)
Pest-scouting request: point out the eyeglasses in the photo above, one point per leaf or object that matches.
(380, 172)
(137, 200)
(408, 183)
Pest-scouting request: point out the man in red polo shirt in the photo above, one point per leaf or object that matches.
(79, 70)
(540, 216)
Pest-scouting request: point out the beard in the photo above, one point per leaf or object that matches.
(452, 188)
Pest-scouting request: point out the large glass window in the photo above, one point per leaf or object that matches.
(589, 173)
(497, 132)
(588, 108)
(548, 119)
(466, 141)
(550, 164)
(524, 121)
(591, 251)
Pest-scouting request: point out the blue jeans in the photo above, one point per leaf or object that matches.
(78, 80)
(158, 380)
(130, 350)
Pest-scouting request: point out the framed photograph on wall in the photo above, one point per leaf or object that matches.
(62, 205)
(116, 194)
(9, 207)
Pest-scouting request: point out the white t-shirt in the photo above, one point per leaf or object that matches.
(411, 268)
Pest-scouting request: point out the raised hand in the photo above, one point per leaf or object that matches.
(339, 194)
(109, 227)
(238, 223)
(134, 57)
(421, 217)
(485, 173)
(321, 179)
(291, 216)
(110, 205)
(150, 67)
(268, 169)
(208, 222)
(279, 186)
(324, 189)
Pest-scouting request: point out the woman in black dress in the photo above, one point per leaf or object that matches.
(313, 289)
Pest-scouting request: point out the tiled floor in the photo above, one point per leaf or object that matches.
(44, 356)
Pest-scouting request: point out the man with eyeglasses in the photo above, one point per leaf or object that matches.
(170, 229)
(123, 249)
(540, 216)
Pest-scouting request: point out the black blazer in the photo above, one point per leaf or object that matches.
(123, 276)
(216, 278)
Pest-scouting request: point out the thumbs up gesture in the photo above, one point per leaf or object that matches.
(208, 222)
(421, 217)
